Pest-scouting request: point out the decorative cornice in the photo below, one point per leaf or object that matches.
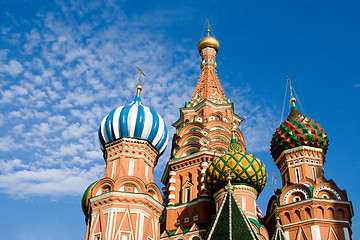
(298, 149)
(128, 195)
(204, 103)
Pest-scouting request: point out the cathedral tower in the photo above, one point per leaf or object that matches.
(309, 205)
(126, 204)
(204, 132)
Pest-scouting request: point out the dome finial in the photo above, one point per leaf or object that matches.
(139, 87)
(292, 98)
(208, 41)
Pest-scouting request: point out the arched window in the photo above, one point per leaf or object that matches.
(219, 138)
(195, 129)
(191, 151)
(218, 128)
(192, 139)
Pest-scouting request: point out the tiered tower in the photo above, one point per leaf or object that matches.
(126, 204)
(310, 207)
(203, 132)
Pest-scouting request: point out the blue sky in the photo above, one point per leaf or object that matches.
(65, 64)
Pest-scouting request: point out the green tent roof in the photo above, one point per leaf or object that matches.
(231, 222)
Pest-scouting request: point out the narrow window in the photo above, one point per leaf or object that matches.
(131, 167)
(190, 177)
(113, 169)
(297, 174)
(314, 172)
(187, 195)
(181, 183)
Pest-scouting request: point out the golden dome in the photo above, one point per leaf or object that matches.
(208, 41)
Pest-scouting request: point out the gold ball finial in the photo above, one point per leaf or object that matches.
(208, 41)
(292, 101)
(138, 90)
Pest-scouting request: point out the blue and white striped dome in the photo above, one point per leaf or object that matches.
(136, 121)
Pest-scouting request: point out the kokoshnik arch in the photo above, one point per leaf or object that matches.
(211, 182)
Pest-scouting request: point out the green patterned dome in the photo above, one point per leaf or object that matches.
(298, 130)
(86, 197)
(243, 169)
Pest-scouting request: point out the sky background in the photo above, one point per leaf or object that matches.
(64, 65)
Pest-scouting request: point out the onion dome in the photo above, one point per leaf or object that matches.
(208, 41)
(135, 121)
(241, 167)
(298, 130)
(86, 197)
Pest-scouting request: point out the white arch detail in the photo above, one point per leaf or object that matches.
(289, 193)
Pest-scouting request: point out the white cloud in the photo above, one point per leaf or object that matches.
(48, 182)
(75, 74)
(13, 68)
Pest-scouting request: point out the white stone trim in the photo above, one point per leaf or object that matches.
(171, 196)
(195, 201)
(287, 237)
(172, 180)
(316, 219)
(325, 188)
(129, 195)
(289, 193)
(113, 168)
(204, 164)
(315, 232)
(131, 166)
(140, 211)
(346, 234)
(172, 188)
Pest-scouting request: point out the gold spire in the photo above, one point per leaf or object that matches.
(277, 216)
(139, 87)
(228, 187)
(292, 98)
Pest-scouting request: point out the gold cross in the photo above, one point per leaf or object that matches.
(291, 87)
(274, 179)
(141, 73)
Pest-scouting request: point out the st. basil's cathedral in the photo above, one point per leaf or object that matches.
(211, 182)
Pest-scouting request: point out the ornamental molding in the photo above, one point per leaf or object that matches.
(127, 195)
(289, 193)
(291, 150)
(317, 219)
(325, 188)
(193, 202)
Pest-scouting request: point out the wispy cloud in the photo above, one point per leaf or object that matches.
(74, 67)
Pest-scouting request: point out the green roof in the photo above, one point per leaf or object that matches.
(231, 222)
(278, 234)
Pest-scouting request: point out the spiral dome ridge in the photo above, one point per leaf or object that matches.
(243, 169)
(298, 130)
(135, 121)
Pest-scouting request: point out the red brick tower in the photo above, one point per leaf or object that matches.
(202, 132)
(309, 205)
(126, 204)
